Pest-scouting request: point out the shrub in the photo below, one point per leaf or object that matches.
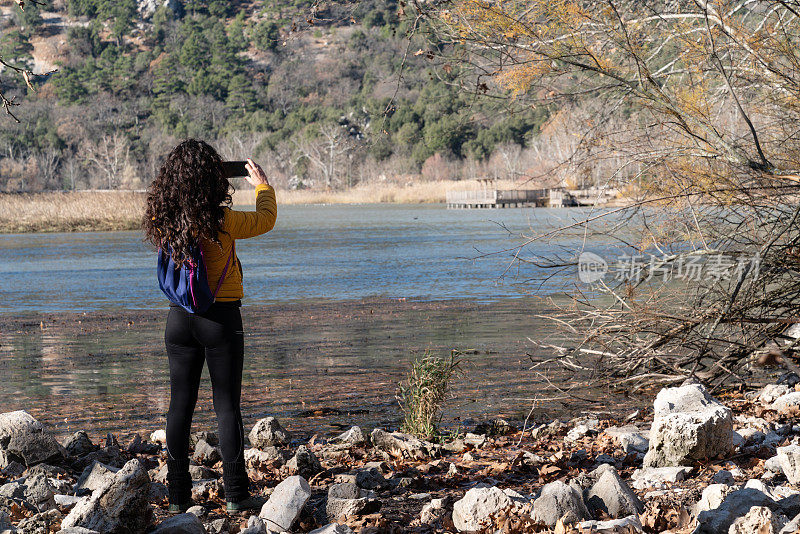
(421, 396)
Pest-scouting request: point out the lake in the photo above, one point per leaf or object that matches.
(332, 252)
(339, 299)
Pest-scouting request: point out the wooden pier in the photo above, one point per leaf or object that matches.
(497, 198)
(556, 197)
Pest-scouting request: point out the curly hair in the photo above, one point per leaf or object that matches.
(186, 201)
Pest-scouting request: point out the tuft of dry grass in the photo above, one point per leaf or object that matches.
(423, 393)
(80, 211)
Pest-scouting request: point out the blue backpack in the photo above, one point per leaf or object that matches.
(187, 285)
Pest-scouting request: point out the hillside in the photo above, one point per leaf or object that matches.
(323, 94)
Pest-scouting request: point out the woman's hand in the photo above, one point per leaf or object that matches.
(256, 175)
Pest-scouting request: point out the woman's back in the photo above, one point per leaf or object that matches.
(188, 204)
(238, 225)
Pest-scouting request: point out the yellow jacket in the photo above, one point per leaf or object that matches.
(238, 225)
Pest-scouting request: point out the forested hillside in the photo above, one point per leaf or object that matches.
(325, 95)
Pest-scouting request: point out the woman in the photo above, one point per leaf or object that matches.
(189, 204)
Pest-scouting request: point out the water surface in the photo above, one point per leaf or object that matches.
(330, 252)
(339, 299)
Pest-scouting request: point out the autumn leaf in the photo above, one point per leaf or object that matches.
(26, 75)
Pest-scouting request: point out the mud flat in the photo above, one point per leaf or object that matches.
(322, 365)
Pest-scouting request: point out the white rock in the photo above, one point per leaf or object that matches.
(403, 445)
(559, 501)
(475, 440)
(255, 525)
(196, 510)
(629, 438)
(332, 528)
(576, 433)
(181, 524)
(120, 503)
(159, 436)
(759, 485)
(16, 422)
(268, 432)
(789, 460)
(689, 425)
(787, 401)
(792, 527)
(254, 457)
(771, 392)
(347, 499)
(147, 8)
(95, 476)
(23, 436)
(285, 503)
(736, 504)
(611, 495)
(452, 471)
(432, 512)
(477, 509)
(353, 436)
(658, 477)
(219, 526)
(66, 501)
(712, 497)
(626, 525)
(759, 519)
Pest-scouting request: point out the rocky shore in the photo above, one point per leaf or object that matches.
(692, 463)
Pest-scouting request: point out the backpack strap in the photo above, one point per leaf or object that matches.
(225, 270)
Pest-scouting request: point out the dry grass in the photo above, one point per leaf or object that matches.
(116, 210)
(422, 394)
(70, 212)
(374, 193)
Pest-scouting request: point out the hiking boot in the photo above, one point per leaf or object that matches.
(180, 508)
(252, 503)
(179, 484)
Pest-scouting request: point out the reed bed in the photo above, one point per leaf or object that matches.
(83, 211)
(80, 211)
(374, 193)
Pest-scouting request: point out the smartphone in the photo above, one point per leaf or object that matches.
(233, 169)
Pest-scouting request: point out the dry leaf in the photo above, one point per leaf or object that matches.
(26, 75)
(549, 470)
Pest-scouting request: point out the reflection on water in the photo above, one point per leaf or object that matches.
(345, 357)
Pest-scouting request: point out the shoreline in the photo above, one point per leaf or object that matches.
(733, 470)
(102, 211)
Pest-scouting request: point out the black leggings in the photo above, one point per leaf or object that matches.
(215, 337)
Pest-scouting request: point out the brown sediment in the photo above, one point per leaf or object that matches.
(320, 365)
